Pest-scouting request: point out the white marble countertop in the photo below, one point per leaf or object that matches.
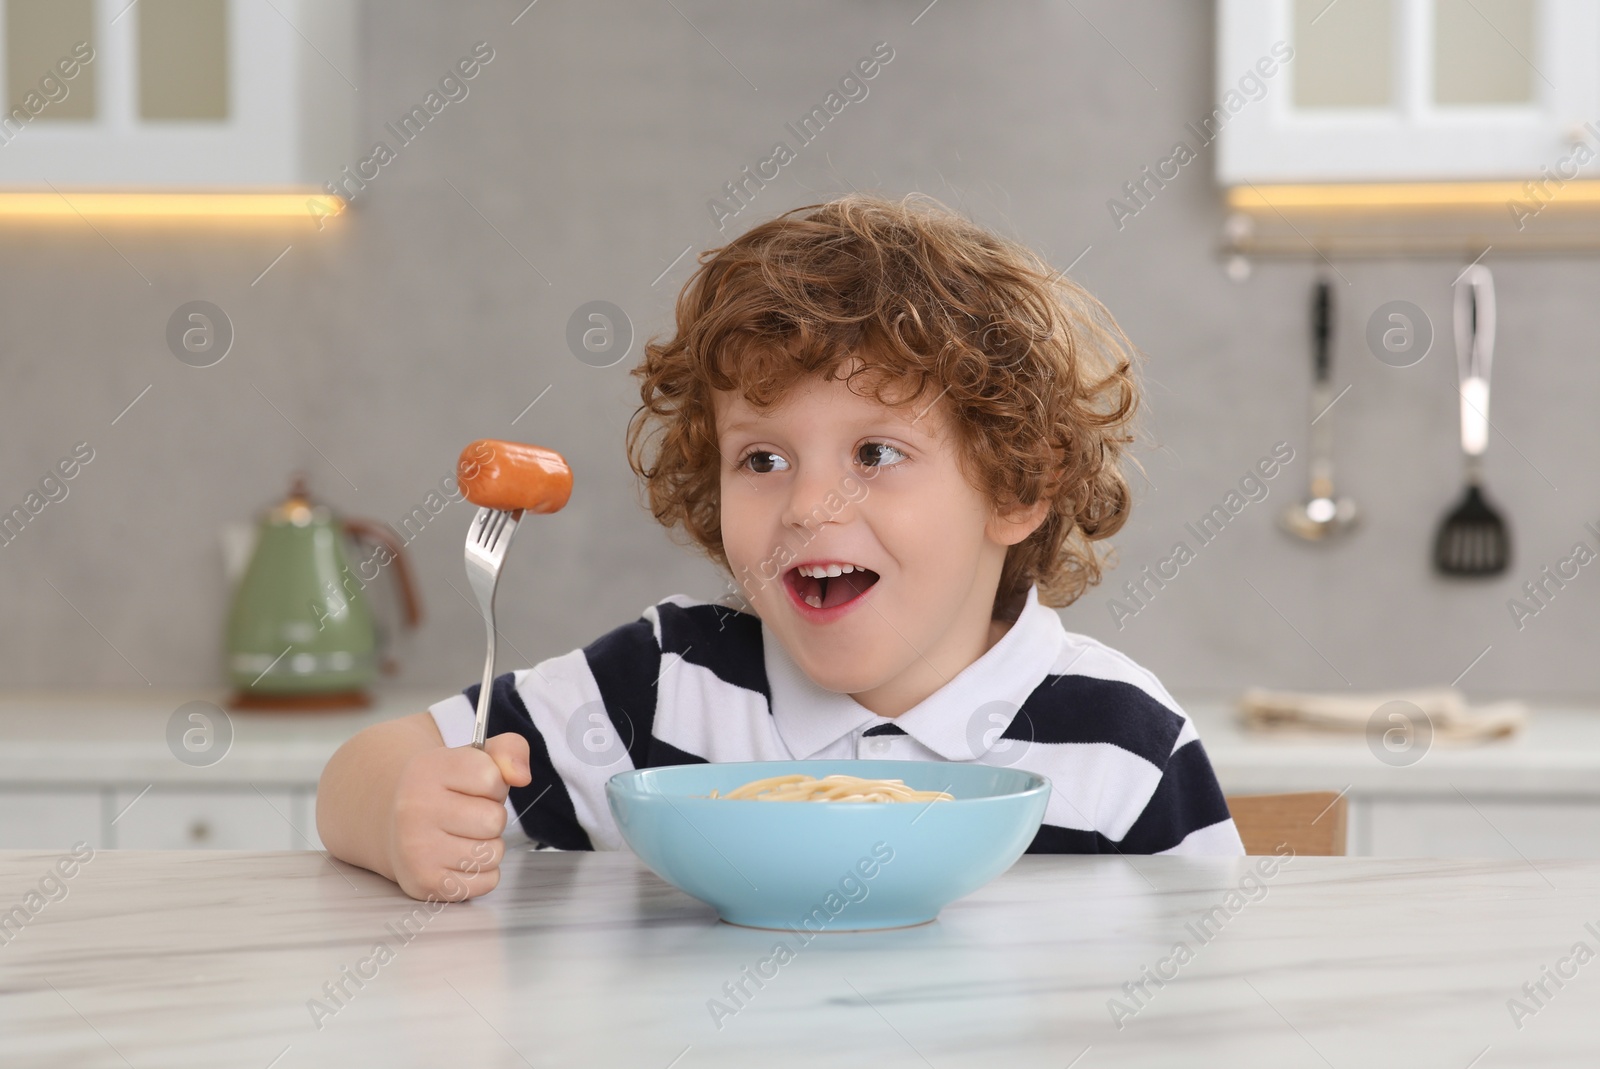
(1556, 755)
(63, 738)
(120, 736)
(205, 959)
(96, 738)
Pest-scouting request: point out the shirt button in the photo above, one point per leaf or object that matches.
(879, 746)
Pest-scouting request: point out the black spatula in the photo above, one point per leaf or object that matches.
(1473, 541)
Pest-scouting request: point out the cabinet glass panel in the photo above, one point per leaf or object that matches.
(1343, 54)
(1483, 52)
(183, 60)
(40, 38)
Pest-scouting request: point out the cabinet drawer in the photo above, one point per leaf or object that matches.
(165, 819)
(50, 819)
(1484, 828)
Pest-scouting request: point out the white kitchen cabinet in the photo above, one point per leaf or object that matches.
(45, 819)
(168, 819)
(1480, 827)
(162, 818)
(76, 767)
(228, 95)
(1404, 90)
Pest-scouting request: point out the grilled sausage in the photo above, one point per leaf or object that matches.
(511, 475)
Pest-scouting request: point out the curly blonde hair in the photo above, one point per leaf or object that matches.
(1034, 373)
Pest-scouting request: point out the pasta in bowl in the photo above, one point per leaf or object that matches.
(815, 846)
(838, 787)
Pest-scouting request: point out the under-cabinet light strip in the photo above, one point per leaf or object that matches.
(311, 206)
(1382, 195)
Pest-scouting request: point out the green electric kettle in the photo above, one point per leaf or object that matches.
(302, 633)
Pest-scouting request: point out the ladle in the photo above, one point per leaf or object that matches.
(1323, 515)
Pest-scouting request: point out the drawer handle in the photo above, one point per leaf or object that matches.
(199, 831)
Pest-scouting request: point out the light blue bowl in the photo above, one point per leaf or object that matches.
(828, 866)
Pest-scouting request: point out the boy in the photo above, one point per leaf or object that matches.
(900, 435)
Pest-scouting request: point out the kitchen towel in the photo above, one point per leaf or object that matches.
(1452, 720)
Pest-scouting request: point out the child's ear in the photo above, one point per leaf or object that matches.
(1010, 526)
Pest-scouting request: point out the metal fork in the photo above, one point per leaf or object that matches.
(487, 541)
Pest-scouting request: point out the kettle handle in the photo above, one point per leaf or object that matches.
(367, 531)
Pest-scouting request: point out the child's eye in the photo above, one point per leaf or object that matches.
(880, 451)
(763, 457)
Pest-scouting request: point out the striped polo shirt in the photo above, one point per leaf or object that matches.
(693, 681)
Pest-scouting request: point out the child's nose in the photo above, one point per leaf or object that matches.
(816, 496)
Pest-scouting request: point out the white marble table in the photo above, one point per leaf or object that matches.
(179, 959)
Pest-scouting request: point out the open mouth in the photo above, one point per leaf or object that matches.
(830, 592)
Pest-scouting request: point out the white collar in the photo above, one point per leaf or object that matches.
(809, 717)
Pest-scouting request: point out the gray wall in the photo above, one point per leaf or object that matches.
(593, 142)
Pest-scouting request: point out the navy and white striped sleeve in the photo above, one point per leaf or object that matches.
(1128, 773)
(1183, 812)
(1186, 814)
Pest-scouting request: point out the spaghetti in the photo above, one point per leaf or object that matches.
(798, 787)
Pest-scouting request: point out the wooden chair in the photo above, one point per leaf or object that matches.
(1312, 824)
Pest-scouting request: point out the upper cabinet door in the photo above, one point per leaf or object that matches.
(1405, 90)
(175, 94)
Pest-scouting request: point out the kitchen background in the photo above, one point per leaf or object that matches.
(579, 167)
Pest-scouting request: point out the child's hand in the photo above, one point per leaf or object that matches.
(448, 814)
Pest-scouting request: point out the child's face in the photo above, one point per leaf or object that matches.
(829, 476)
